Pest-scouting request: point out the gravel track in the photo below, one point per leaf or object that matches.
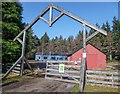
(39, 85)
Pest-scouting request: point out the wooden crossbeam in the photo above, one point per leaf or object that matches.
(60, 15)
(92, 35)
(80, 20)
(51, 16)
(44, 20)
(20, 40)
(5, 75)
(33, 22)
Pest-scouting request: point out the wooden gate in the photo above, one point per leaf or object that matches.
(68, 71)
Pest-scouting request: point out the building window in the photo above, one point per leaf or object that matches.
(53, 58)
(61, 58)
(45, 57)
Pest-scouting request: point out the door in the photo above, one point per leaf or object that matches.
(91, 61)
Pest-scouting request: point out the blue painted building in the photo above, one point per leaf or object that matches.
(39, 56)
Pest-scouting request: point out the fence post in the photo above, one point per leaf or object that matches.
(86, 77)
(61, 73)
(112, 79)
(46, 69)
(61, 76)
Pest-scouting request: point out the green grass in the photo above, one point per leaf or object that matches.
(12, 78)
(95, 88)
(113, 62)
(1, 75)
(110, 65)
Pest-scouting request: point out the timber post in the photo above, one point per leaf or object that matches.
(83, 65)
(23, 53)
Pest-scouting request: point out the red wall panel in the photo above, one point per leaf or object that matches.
(95, 58)
(91, 61)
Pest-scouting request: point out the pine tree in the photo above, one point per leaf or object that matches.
(11, 20)
(78, 40)
(45, 38)
(69, 44)
(96, 39)
(11, 26)
(116, 37)
(109, 40)
(44, 42)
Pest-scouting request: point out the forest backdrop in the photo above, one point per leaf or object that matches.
(12, 25)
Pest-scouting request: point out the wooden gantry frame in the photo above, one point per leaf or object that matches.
(51, 22)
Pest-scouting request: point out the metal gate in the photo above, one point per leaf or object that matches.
(68, 71)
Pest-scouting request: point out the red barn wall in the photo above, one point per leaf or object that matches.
(95, 58)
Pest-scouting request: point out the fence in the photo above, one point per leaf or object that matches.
(103, 77)
(72, 74)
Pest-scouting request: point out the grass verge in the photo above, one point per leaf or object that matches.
(12, 78)
(95, 88)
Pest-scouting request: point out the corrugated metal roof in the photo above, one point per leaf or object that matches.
(52, 53)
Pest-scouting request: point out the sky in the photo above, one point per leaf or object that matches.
(93, 12)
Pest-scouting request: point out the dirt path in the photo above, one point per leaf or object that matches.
(39, 85)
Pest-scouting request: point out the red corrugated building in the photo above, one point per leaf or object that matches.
(95, 58)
